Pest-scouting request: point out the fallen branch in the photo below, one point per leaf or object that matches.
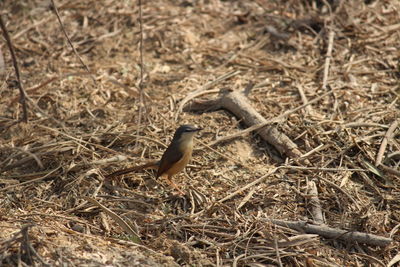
(215, 104)
(237, 103)
(333, 233)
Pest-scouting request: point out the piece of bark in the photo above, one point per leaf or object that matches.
(333, 233)
(237, 103)
(315, 205)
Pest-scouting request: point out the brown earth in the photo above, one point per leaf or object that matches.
(83, 126)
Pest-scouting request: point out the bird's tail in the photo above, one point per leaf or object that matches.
(150, 165)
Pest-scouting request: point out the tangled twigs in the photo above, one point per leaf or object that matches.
(28, 248)
(128, 229)
(255, 182)
(153, 164)
(29, 252)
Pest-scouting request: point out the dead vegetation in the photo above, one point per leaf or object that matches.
(325, 74)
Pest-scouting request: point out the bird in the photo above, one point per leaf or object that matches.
(178, 153)
(175, 158)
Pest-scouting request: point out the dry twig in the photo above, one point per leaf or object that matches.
(385, 140)
(315, 205)
(242, 188)
(129, 230)
(69, 40)
(22, 92)
(333, 233)
(142, 70)
(328, 58)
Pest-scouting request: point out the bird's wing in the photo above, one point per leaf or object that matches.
(169, 158)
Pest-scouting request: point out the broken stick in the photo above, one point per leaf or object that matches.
(237, 103)
(315, 205)
(333, 233)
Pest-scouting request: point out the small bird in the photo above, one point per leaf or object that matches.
(174, 159)
(178, 153)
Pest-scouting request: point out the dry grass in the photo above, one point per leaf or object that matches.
(77, 129)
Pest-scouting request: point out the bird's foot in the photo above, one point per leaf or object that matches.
(176, 187)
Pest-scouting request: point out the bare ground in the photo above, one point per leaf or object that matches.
(83, 126)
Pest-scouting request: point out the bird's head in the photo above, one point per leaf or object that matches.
(185, 132)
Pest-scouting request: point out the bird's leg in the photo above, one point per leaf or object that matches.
(171, 183)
